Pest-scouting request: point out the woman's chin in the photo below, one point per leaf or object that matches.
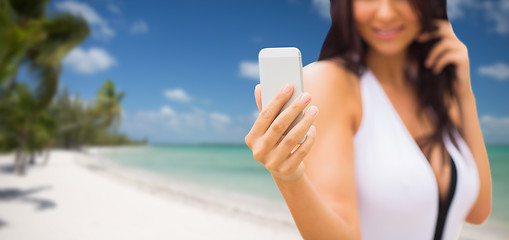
(389, 51)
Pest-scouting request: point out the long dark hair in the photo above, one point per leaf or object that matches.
(345, 46)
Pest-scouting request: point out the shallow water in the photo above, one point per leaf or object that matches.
(233, 168)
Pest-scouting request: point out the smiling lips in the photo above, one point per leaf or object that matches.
(387, 33)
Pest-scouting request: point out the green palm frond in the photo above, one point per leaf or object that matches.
(47, 84)
(63, 32)
(29, 9)
(108, 102)
(24, 97)
(42, 131)
(17, 111)
(13, 44)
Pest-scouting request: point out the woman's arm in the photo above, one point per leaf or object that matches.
(315, 218)
(471, 132)
(323, 202)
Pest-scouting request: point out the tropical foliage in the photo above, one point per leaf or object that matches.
(32, 46)
(89, 123)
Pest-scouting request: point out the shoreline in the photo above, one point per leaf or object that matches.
(269, 212)
(76, 181)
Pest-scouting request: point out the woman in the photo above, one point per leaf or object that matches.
(397, 151)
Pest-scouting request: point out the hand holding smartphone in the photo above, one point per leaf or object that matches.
(274, 137)
(280, 66)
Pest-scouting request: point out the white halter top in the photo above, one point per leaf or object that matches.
(397, 189)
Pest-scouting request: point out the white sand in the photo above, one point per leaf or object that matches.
(79, 197)
(65, 200)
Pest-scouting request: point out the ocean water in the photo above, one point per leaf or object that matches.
(225, 167)
(233, 168)
(499, 165)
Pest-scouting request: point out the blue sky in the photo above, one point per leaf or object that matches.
(189, 67)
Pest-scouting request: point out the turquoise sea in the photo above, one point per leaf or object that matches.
(233, 168)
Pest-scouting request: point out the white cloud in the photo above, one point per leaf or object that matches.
(165, 118)
(100, 27)
(169, 117)
(195, 120)
(498, 12)
(189, 125)
(167, 111)
(139, 27)
(220, 118)
(499, 71)
(456, 8)
(249, 69)
(323, 7)
(177, 94)
(114, 9)
(495, 122)
(89, 62)
(248, 119)
(495, 129)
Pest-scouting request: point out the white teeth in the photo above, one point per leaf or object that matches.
(386, 31)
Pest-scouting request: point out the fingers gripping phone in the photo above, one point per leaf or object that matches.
(280, 66)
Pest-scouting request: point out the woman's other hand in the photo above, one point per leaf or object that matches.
(282, 156)
(449, 50)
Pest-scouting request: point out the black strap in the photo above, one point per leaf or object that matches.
(443, 207)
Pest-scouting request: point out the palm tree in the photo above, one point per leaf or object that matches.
(29, 132)
(41, 134)
(106, 112)
(28, 37)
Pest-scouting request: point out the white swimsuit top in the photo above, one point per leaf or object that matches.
(396, 186)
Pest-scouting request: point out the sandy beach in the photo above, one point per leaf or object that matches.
(77, 196)
(71, 200)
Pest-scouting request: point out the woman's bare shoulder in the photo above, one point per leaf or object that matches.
(329, 71)
(333, 88)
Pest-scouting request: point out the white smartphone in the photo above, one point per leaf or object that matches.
(280, 66)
